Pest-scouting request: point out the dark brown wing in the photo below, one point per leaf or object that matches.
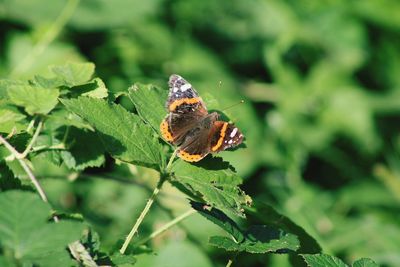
(224, 135)
(196, 144)
(186, 110)
(209, 136)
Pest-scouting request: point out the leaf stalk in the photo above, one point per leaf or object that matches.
(142, 215)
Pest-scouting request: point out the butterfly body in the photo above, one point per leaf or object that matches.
(190, 127)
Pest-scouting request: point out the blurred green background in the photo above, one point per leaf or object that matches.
(321, 84)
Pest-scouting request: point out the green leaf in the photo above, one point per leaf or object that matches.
(257, 239)
(97, 89)
(63, 117)
(49, 139)
(11, 119)
(322, 260)
(5, 84)
(265, 214)
(7, 179)
(142, 95)
(84, 150)
(262, 239)
(268, 240)
(119, 259)
(94, 88)
(74, 73)
(365, 262)
(225, 243)
(219, 188)
(44, 82)
(219, 218)
(24, 228)
(8, 114)
(124, 134)
(34, 100)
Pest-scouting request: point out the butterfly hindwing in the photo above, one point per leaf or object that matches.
(225, 135)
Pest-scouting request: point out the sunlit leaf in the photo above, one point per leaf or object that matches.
(150, 103)
(218, 187)
(34, 100)
(125, 136)
(74, 73)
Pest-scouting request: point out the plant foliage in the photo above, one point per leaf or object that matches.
(83, 86)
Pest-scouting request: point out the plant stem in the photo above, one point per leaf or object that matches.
(229, 263)
(167, 226)
(33, 140)
(47, 38)
(25, 167)
(30, 125)
(171, 160)
(163, 178)
(142, 215)
(59, 146)
(65, 137)
(81, 254)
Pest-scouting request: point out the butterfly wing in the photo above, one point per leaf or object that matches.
(209, 136)
(186, 109)
(196, 145)
(224, 135)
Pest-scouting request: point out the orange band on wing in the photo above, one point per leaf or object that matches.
(221, 137)
(164, 129)
(189, 157)
(179, 102)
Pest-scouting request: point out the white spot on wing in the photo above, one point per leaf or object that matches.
(175, 89)
(233, 133)
(230, 141)
(185, 87)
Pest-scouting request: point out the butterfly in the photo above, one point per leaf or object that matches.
(191, 128)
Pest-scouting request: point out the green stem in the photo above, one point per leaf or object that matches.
(25, 167)
(233, 258)
(149, 203)
(171, 160)
(60, 146)
(142, 215)
(33, 140)
(65, 137)
(167, 226)
(47, 38)
(30, 126)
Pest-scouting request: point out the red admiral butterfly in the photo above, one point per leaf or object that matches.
(190, 127)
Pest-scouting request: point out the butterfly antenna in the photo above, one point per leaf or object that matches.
(234, 105)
